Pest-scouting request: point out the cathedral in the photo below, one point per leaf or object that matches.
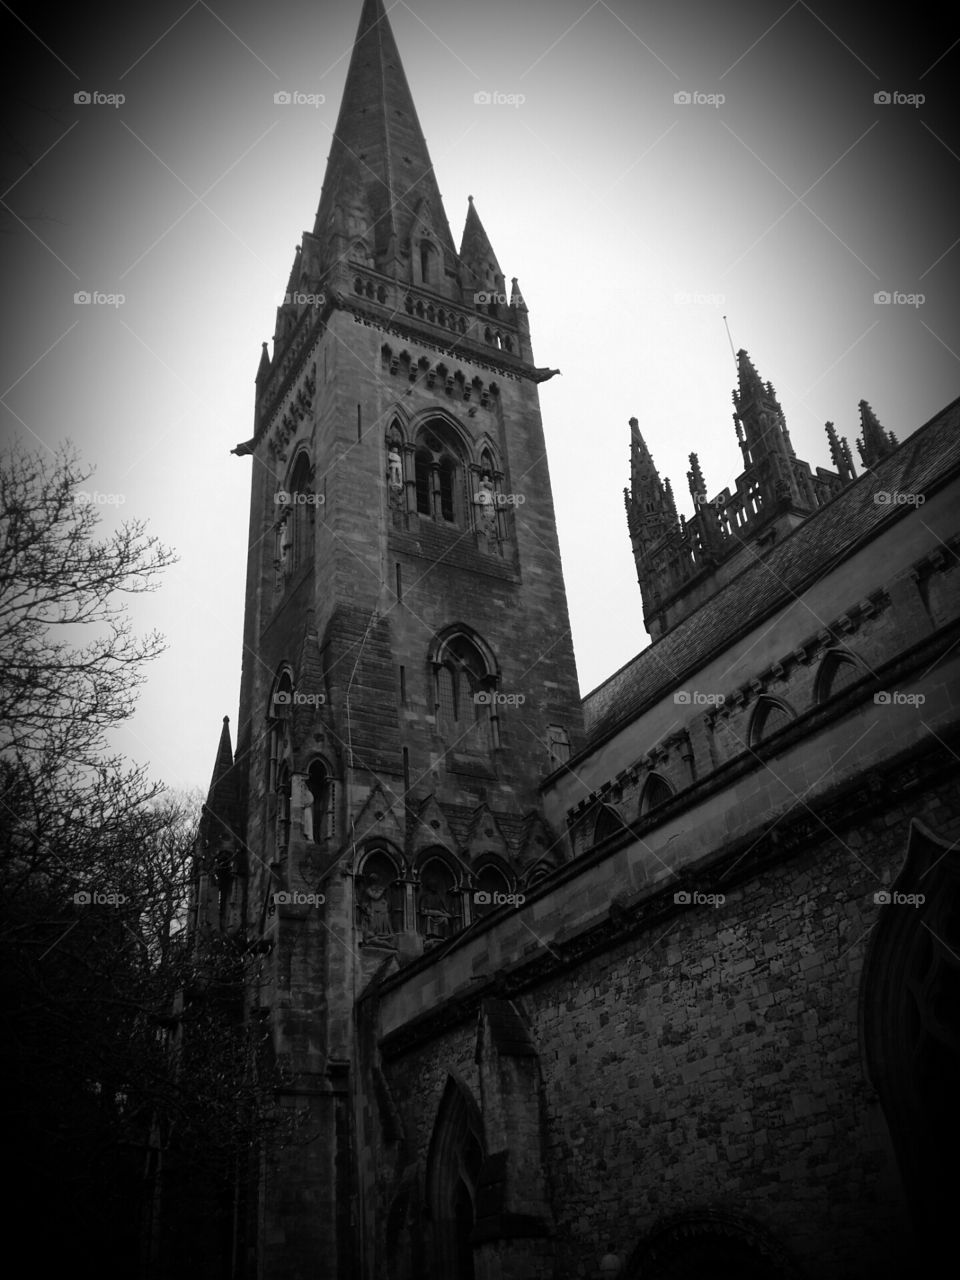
(663, 982)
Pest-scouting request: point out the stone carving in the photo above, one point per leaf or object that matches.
(375, 923)
(437, 916)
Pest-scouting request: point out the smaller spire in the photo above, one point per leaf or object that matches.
(698, 488)
(264, 366)
(874, 443)
(840, 455)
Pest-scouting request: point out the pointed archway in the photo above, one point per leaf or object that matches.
(910, 1027)
(453, 1169)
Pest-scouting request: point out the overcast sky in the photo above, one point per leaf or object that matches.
(784, 196)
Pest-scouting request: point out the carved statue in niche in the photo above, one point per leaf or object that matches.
(485, 501)
(437, 916)
(375, 920)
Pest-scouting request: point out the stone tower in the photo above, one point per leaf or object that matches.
(681, 563)
(408, 676)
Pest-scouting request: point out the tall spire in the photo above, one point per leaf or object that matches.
(874, 443)
(477, 255)
(379, 181)
(651, 512)
(765, 434)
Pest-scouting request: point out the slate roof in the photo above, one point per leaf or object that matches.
(930, 454)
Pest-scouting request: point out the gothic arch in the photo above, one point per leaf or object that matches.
(490, 877)
(441, 457)
(769, 716)
(379, 892)
(320, 806)
(656, 791)
(710, 1242)
(466, 676)
(454, 1159)
(910, 1027)
(838, 670)
(439, 895)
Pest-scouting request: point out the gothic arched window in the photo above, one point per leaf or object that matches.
(319, 814)
(428, 262)
(438, 471)
(838, 671)
(284, 789)
(439, 910)
(657, 791)
(296, 524)
(465, 687)
(769, 717)
(279, 711)
(606, 823)
(379, 898)
(490, 881)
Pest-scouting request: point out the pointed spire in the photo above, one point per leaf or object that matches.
(264, 367)
(224, 760)
(840, 454)
(378, 161)
(874, 443)
(698, 488)
(219, 817)
(477, 255)
(293, 284)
